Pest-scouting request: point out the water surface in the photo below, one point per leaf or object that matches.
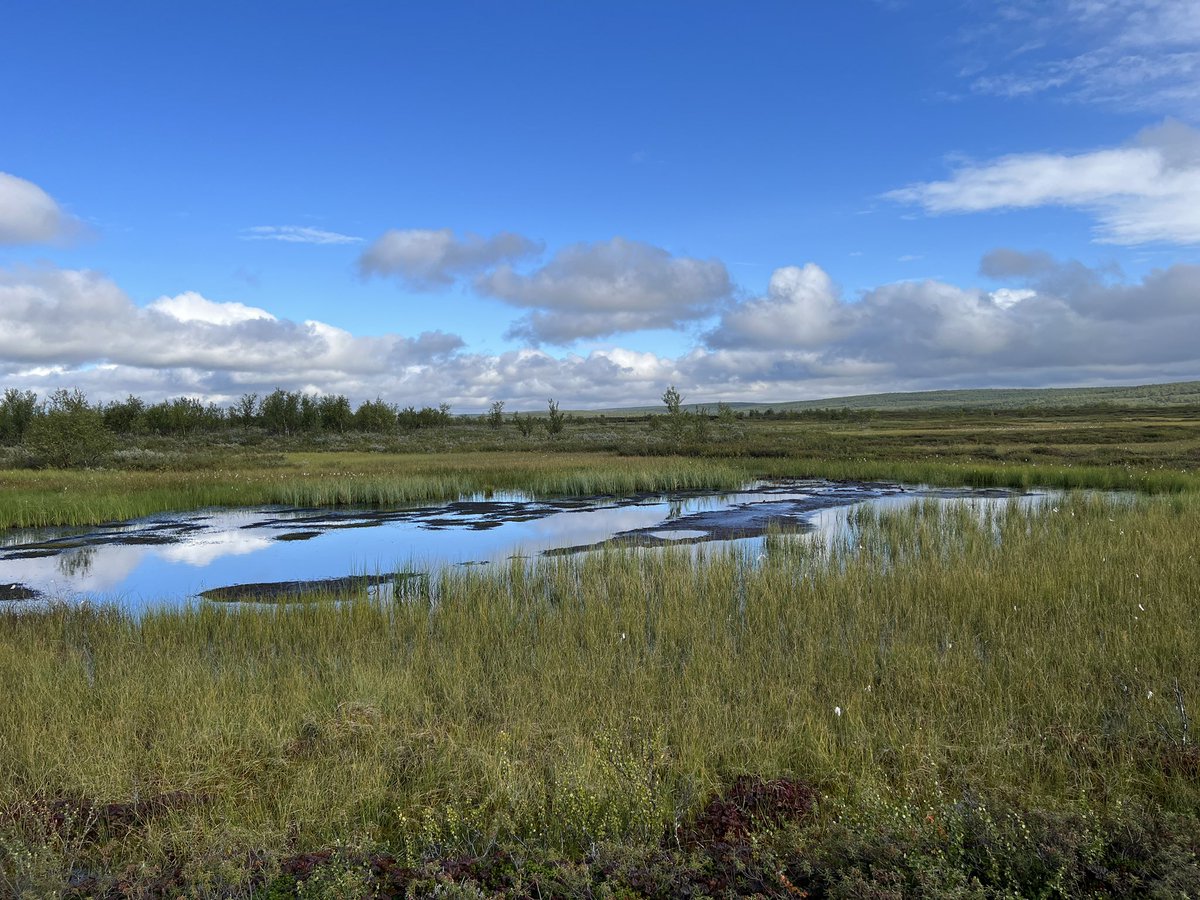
(177, 558)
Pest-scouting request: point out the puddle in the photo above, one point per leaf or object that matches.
(272, 554)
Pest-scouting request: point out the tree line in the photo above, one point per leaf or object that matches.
(279, 412)
(66, 429)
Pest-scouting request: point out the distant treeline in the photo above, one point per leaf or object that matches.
(297, 413)
(279, 412)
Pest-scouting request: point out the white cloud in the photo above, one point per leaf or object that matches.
(1051, 323)
(82, 319)
(424, 259)
(1127, 54)
(801, 309)
(297, 234)
(192, 307)
(1009, 297)
(1146, 191)
(1063, 323)
(28, 215)
(593, 290)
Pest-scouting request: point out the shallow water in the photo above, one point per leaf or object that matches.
(172, 559)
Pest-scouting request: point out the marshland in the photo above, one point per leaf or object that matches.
(968, 699)
(600, 451)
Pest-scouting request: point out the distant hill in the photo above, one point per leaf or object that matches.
(1179, 393)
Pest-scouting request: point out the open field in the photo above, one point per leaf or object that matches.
(932, 667)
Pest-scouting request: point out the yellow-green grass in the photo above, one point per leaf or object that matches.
(1045, 653)
(1124, 449)
(1147, 479)
(31, 498)
(34, 498)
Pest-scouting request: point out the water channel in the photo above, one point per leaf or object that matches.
(269, 553)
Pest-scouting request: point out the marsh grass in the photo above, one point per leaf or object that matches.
(1003, 475)
(82, 497)
(1132, 449)
(31, 499)
(928, 653)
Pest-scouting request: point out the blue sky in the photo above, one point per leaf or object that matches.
(476, 201)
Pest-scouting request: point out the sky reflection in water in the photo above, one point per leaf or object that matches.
(168, 559)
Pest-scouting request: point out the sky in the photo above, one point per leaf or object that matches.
(465, 202)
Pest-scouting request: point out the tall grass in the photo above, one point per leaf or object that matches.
(1006, 475)
(42, 498)
(1103, 449)
(928, 652)
(32, 499)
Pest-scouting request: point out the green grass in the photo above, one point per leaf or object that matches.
(1045, 655)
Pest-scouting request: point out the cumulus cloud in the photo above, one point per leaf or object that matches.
(1052, 322)
(70, 328)
(1061, 323)
(425, 259)
(1146, 191)
(801, 309)
(297, 234)
(28, 215)
(594, 290)
(79, 319)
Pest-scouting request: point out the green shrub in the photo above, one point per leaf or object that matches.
(68, 434)
(17, 411)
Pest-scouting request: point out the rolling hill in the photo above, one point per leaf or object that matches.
(1180, 393)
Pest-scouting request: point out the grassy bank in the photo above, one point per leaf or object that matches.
(36, 498)
(1150, 452)
(1039, 659)
(80, 497)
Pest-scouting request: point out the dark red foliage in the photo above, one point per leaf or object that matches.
(749, 805)
(84, 818)
(302, 864)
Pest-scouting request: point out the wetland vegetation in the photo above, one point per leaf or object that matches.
(189, 456)
(942, 702)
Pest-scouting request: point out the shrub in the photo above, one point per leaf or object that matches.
(524, 424)
(376, 415)
(495, 416)
(69, 433)
(555, 420)
(17, 411)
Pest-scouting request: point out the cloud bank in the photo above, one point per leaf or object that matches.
(1050, 322)
(1059, 323)
(74, 321)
